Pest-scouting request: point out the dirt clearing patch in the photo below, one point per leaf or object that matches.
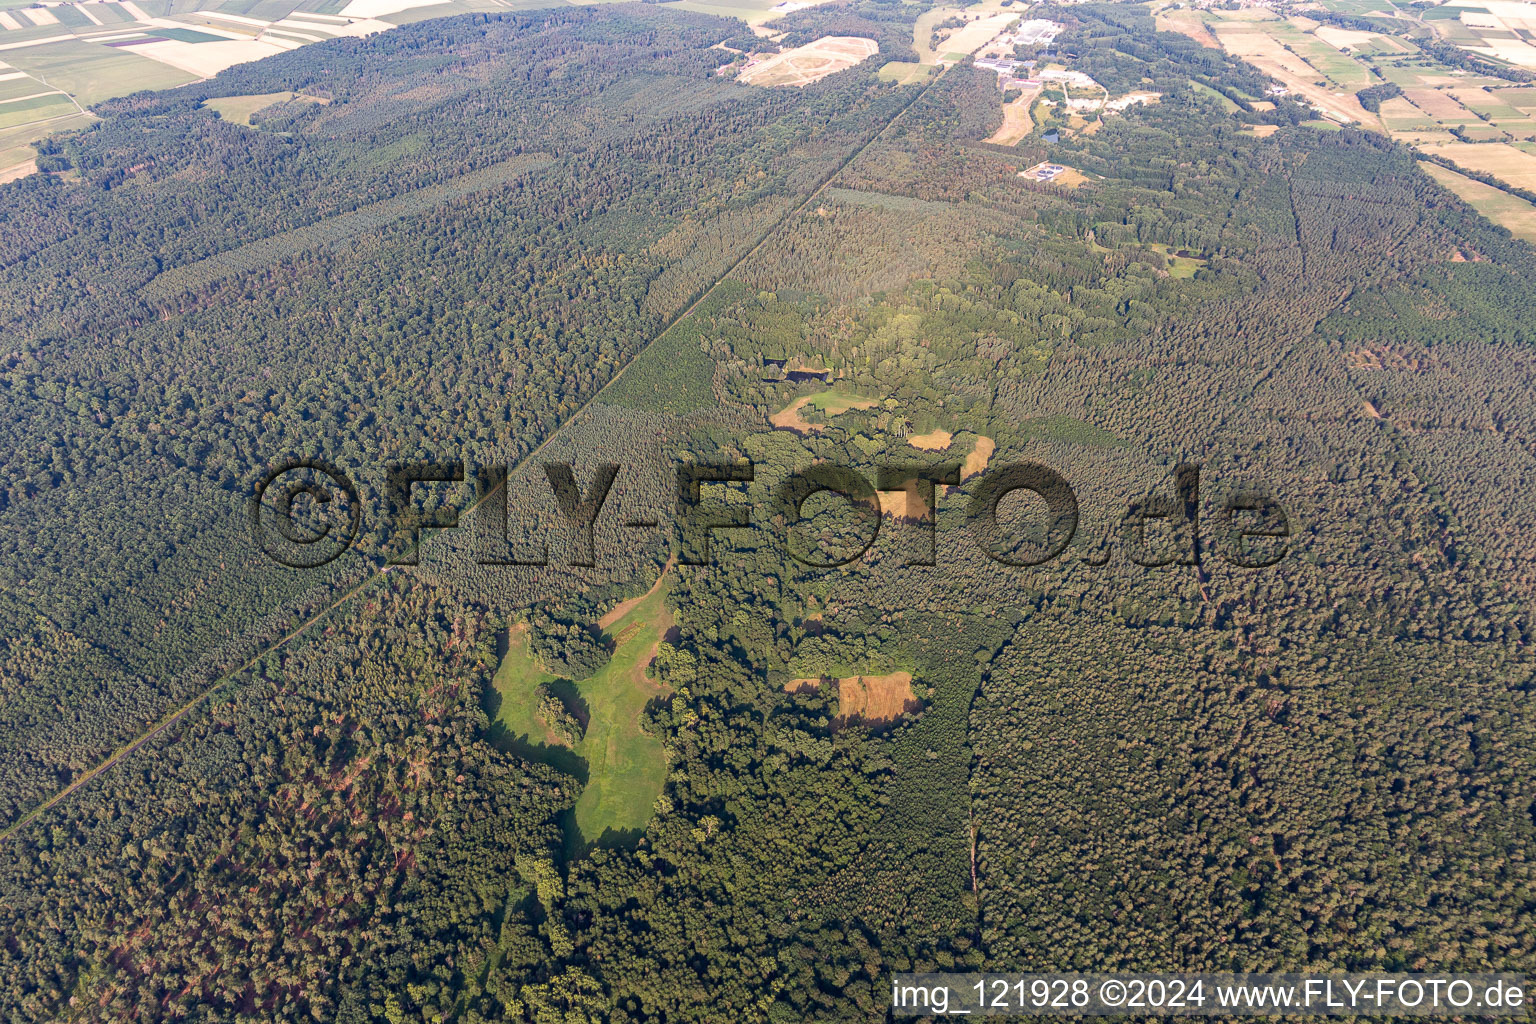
(829, 402)
(979, 457)
(934, 441)
(866, 698)
(1016, 121)
(1186, 23)
(811, 62)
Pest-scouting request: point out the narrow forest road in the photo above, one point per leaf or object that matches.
(224, 680)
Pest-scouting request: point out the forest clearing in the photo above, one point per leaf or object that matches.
(933, 441)
(625, 766)
(977, 460)
(864, 698)
(829, 403)
(811, 62)
(1016, 121)
(238, 109)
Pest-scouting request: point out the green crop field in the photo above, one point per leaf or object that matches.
(19, 87)
(187, 35)
(93, 73)
(35, 108)
(904, 72)
(836, 400)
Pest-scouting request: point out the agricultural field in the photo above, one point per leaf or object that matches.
(810, 63)
(624, 767)
(1504, 162)
(28, 109)
(86, 53)
(1299, 61)
(1496, 28)
(1497, 205)
(1453, 107)
(91, 73)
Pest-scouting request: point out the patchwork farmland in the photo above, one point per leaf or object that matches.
(1457, 81)
(57, 59)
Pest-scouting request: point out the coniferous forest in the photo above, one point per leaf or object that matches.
(1266, 706)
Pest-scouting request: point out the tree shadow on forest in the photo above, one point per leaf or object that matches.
(560, 758)
(578, 845)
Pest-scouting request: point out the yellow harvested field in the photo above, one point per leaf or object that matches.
(975, 35)
(1504, 162)
(379, 8)
(1186, 23)
(1498, 206)
(866, 698)
(1441, 106)
(1343, 38)
(811, 62)
(979, 457)
(1263, 131)
(1069, 178)
(906, 503)
(936, 441)
(207, 59)
(15, 171)
(1016, 122)
(1398, 108)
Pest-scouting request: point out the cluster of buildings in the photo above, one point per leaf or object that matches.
(1010, 73)
(1036, 32)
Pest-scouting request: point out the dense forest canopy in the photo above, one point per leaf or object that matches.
(538, 238)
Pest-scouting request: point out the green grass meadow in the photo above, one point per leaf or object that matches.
(623, 767)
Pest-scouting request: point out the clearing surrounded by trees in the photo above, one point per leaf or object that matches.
(811, 62)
